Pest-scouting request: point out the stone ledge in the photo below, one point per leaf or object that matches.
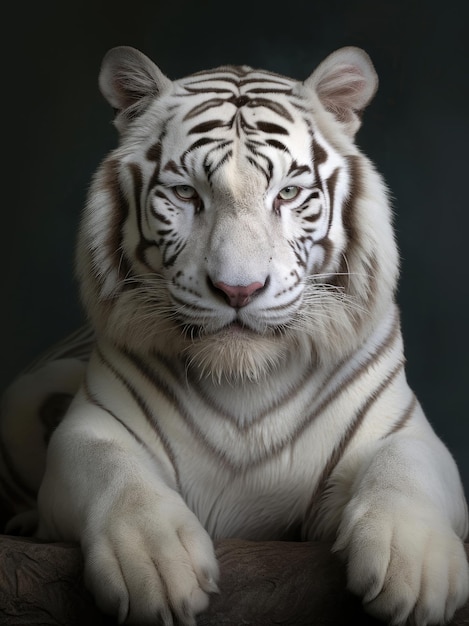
(262, 584)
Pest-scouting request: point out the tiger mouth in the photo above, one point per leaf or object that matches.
(235, 328)
(232, 330)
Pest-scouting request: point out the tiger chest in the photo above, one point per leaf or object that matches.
(260, 497)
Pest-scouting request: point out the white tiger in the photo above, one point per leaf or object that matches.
(238, 265)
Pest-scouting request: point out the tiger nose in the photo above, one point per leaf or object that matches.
(238, 295)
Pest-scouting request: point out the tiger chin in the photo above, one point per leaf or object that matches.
(238, 266)
(235, 355)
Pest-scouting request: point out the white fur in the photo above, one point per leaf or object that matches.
(188, 427)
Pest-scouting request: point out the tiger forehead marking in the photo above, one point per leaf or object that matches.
(233, 106)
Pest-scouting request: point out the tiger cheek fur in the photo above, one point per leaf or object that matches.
(238, 265)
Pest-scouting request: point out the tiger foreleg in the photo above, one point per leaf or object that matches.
(147, 557)
(401, 531)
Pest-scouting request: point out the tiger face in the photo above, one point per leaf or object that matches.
(233, 223)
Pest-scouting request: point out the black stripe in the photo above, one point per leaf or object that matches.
(277, 144)
(221, 73)
(331, 184)
(204, 106)
(296, 170)
(287, 91)
(162, 386)
(203, 141)
(272, 79)
(151, 419)
(178, 246)
(339, 450)
(210, 169)
(402, 421)
(268, 127)
(319, 155)
(203, 90)
(276, 107)
(172, 166)
(119, 214)
(154, 152)
(144, 243)
(259, 167)
(205, 127)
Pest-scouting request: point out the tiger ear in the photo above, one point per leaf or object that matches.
(345, 82)
(129, 80)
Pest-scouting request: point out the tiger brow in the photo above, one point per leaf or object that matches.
(296, 169)
(172, 166)
(204, 106)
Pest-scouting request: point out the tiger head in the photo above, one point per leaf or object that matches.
(237, 224)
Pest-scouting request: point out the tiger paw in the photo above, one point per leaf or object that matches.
(404, 560)
(151, 563)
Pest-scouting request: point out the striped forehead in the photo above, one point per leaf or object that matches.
(228, 116)
(233, 81)
(235, 98)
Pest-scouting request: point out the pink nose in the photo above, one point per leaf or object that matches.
(237, 295)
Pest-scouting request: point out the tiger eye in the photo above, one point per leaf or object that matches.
(185, 192)
(288, 193)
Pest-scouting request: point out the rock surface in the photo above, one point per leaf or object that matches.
(262, 584)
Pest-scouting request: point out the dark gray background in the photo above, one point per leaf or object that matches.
(56, 128)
